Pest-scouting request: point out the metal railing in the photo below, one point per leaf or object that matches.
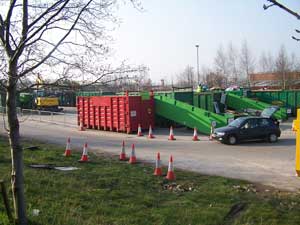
(61, 118)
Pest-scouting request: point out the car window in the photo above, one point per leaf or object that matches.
(264, 122)
(237, 122)
(251, 123)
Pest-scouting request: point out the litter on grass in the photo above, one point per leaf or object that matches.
(42, 166)
(35, 212)
(53, 167)
(65, 168)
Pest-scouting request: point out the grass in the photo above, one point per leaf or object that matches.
(107, 191)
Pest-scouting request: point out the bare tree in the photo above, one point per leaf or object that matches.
(186, 77)
(266, 63)
(45, 37)
(282, 65)
(294, 63)
(141, 80)
(203, 72)
(221, 64)
(212, 78)
(247, 61)
(233, 63)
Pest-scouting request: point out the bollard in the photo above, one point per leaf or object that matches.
(297, 156)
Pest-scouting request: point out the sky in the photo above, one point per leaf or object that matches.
(164, 35)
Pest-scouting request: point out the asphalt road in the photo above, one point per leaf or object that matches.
(259, 162)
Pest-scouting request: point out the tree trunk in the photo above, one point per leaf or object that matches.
(17, 178)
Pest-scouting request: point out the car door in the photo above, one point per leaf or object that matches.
(249, 129)
(264, 127)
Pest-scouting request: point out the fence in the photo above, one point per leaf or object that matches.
(61, 118)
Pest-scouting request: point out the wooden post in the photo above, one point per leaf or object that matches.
(5, 200)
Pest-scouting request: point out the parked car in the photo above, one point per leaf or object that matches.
(248, 128)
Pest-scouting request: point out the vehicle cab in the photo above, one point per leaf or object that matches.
(248, 128)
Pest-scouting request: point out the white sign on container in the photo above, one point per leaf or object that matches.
(133, 113)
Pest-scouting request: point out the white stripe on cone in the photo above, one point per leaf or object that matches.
(84, 157)
(150, 132)
(133, 150)
(195, 136)
(170, 174)
(158, 169)
(132, 158)
(158, 161)
(123, 153)
(139, 131)
(68, 148)
(171, 136)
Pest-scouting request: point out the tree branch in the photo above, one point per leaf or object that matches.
(296, 39)
(22, 43)
(7, 28)
(2, 30)
(48, 10)
(2, 84)
(24, 29)
(284, 8)
(58, 43)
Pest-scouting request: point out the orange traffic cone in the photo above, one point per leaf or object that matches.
(123, 154)
(158, 170)
(81, 127)
(139, 134)
(211, 133)
(84, 157)
(171, 136)
(170, 174)
(132, 159)
(195, 136)
(150, 135)
(68, 148)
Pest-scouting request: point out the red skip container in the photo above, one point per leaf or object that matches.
(116, 113)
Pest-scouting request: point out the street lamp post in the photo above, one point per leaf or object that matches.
(198, 77)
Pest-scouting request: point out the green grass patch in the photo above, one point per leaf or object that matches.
(107, 191)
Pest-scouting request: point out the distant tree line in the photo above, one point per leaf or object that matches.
(233, 66)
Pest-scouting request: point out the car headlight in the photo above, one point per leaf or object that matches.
(220, 133)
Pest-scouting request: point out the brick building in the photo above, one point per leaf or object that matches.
(290, 80)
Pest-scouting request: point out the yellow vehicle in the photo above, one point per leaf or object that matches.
(46, 101)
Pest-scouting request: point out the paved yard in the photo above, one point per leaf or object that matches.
(269, 164)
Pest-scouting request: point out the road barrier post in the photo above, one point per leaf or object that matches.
(296, 127)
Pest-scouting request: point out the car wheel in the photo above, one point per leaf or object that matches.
(232, 140)
(273, 138)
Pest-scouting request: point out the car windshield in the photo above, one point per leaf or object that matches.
(268, 112)
(237, 122)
